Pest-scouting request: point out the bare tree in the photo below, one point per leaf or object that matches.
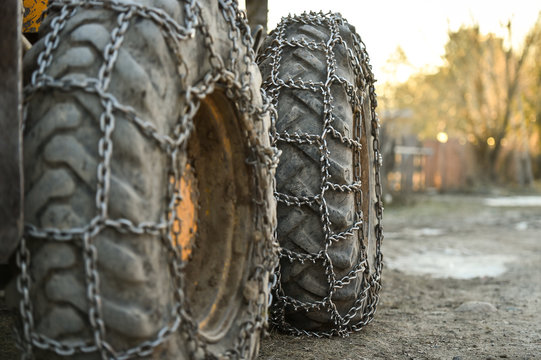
(484, 78)
(474, 94)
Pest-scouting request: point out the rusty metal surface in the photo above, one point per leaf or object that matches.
(10, 133)
(34, 13)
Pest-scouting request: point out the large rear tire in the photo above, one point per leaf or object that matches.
(148, 184)
(315, 69)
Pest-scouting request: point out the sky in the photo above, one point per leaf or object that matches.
(418, 26)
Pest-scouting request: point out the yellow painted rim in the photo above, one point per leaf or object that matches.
(34, 13)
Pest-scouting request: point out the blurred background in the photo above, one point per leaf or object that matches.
(459, 90)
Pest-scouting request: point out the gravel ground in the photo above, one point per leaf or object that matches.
(462, 281)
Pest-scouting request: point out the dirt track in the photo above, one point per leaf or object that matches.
(423, 317)
(426, 317)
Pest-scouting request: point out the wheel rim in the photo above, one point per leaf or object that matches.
(216, 217)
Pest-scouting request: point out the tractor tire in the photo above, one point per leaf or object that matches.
(149, 202)
(327, 179)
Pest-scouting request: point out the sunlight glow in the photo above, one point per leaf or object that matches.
(442, 137)
(418, 26)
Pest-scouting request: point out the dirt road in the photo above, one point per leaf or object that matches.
(462, 281)
(482, 301)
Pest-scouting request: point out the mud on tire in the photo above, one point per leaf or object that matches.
(148, 184)
(315, 68)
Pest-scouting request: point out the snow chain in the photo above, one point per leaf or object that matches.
(367, 298)
(263, 159)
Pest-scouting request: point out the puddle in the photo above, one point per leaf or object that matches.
(523, 225)
(427, 232)
(515, 201)
(451, 263)
(423, 232)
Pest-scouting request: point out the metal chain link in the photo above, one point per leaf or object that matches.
(358, 93)
(236, 73)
